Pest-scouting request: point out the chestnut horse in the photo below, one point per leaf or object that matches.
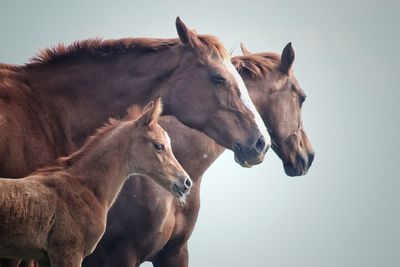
(58, 214)
(153, 231)
(54, 103)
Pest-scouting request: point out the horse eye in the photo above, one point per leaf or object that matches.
(303, 98)
(218, 79)
(158, 147)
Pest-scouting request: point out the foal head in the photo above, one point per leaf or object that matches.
(279, 99)
(152, 155)
(209, 95)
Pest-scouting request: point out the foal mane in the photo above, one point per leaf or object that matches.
(97, 47)
(258, 65)
(132, 115)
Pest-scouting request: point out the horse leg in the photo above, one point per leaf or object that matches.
(30, 263)
(122, 256)
(178, 257)
(65, 259)
(9, 262)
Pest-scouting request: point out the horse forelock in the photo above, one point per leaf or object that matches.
(257, 65)
(213, 44)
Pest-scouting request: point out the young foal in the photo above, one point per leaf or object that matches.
(58, 214)
(278, 97)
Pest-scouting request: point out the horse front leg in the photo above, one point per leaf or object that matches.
(176, 257)
(65, 259)
(121, 256)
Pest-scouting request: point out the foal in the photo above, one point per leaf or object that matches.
(58, 214)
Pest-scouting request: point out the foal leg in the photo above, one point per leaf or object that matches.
(172, 257)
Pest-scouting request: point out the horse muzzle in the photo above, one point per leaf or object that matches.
(248, 156)
(301, 164)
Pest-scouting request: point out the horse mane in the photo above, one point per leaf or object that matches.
(97, 47)
(9, 67)
(257, 65)
(133, 114)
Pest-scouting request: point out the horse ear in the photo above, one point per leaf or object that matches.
(151, 114)
(287, 58)
(187, 36)
(245, 51)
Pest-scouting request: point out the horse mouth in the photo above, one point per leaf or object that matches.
(293, 171)
(178, 192)
(243, 163)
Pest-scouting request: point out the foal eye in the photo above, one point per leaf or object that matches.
(158, 147)
(218, 79)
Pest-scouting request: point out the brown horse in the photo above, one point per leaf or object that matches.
(54, 103)
(58, 214)
(153, 231)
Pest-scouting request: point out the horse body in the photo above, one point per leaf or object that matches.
(37, 208)
(58, 214)
(161, 233)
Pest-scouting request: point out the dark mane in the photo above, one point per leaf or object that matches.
(97, 47)
(257, 65)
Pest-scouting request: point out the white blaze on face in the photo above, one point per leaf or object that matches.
(167, 138)
(244, 95)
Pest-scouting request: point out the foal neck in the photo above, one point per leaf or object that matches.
(103, 163)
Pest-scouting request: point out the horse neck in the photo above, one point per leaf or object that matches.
(194, 150)
(81, 95)
(104, 166)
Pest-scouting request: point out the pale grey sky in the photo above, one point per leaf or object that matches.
(345, 212)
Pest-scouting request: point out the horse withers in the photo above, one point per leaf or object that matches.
(58, 214)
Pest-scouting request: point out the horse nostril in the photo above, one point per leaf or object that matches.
(260, 145)
(188, 183)
(300, 161)
(311, 156)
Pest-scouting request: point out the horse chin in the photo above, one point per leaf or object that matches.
(243, 163)
(294, 171)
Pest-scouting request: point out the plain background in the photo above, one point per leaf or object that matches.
(345, 212)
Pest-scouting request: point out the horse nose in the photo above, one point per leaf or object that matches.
(311, 156)
(260, 145)
(301, 162)
(188, 184)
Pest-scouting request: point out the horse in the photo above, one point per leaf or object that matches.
(153, 231)
(55, 102)
(58, 214)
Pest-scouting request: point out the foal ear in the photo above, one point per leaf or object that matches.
(187, 36)
(245, 51)
(287, 58)
(151, 114)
